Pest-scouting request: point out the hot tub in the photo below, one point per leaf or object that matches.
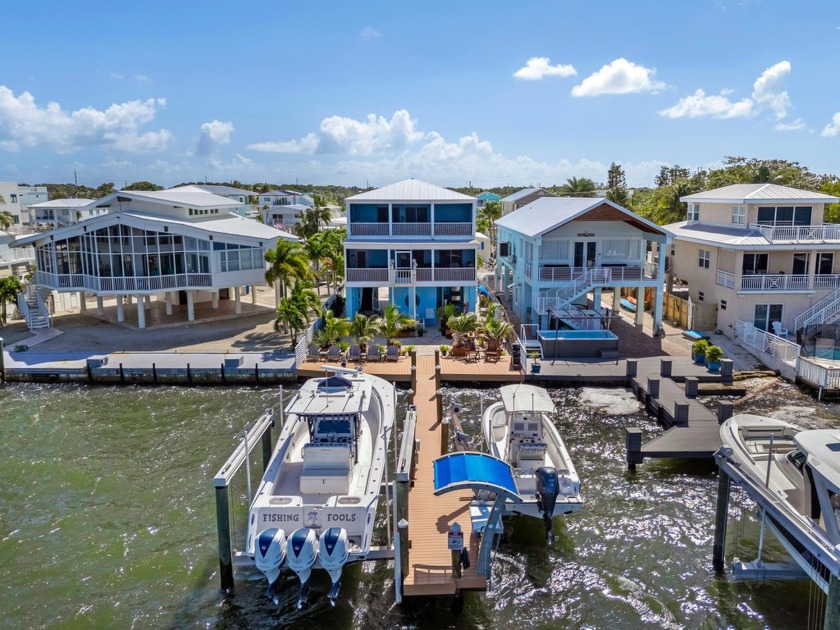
(577, 344)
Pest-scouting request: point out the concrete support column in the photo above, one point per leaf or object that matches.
(190, 306)
(100, 305)
(141, 312)
(120, 308)
(596, 299)
(640, 307)
(616, 305)
(254, 294)
(147, 301)
(128, 300)
(659, 299)
(82, 302)
(237, 302)
(214, 297)
(169, 302)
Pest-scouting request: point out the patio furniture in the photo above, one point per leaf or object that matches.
(778, 330)
(334, 353)
(492, 356)
(354, 353)
(392, 353)
(313, 353)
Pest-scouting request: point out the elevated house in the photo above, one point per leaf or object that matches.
(554, 251)
(522, 198)
(17, 199)
(240, 195)
(415, 239)
(57, 213)
(175, 246)
(762, 254)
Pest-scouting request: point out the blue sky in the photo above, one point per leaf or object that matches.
(493, 93)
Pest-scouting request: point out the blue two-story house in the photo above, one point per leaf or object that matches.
(411, 244)
(554, 251)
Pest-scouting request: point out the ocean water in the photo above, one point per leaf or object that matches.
(107, 520)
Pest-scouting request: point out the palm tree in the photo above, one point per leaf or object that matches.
(286, 261)
(619, 196)
(461, 325)
(496, 331)
(333, 328)
(363, 329)
(7, 220)
(319, 215)
(291, 316)
(578, 187)
(392, 322)
(317, 249)
(487, 217)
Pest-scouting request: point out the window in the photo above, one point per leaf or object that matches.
(694, 212)
(765, 314)
(705, 257)
(14, 198)
(739, 215)
(784, 215)
(700, 296)
(723, 305)
(754, 264)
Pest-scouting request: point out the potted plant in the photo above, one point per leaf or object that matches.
(698, 349)
(444, 349)
(535, 362)
(713, 357)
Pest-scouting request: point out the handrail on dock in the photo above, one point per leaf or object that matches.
(250, 437)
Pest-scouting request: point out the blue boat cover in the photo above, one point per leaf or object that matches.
(473, 471)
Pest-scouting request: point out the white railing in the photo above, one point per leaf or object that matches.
(411, 229)
(366, 275)
(726, 279)
(614, 274)
(455, 274)
(819, 375)
(302, 347)
(402, 276)
(820, 312)
(556, 299)
(78, 282)
(763, 341)
(453, 229)
(423, 274)
(23, 307)
(528, 268)
(368, 229)
(42, 308)
(775, 282)
(17, 255)
(807, 233)
(827, 281)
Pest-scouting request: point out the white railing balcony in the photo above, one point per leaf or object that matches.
(768, 343)
(560, 274)
(822, 376)
(455, 274)
(799, 233)
(827, 281)
(775, 282)
(725, 279)
(411, 229)
(368, 229)
(424, 274)
(453, 229)
(402, 276)
(528, 269)
(128, 284)
(353, 274)
(17, 255)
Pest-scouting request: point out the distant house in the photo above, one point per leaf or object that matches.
(176, 246)
(243, 197)
(522, 198)
(285, 198)
(17, 200)
(414, 240)
(62, 212)
(486, 197)
(553, 251)
(759, 252)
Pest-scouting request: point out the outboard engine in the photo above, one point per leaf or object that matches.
(302, 551)
(269, 555)
(333, 554)
(548, 487)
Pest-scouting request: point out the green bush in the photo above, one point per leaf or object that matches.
(714, 354)
(700, 347)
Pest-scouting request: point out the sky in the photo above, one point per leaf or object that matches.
(485, 93)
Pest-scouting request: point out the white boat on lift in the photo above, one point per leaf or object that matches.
(316, 504)
(519, 430)
(794, 476)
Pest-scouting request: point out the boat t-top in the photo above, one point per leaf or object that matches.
(519, 430)
(316, 504)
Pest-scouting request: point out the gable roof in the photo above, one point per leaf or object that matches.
(488, 196)
(282, 193)
(224, 191)
(62, 203)
(547, 213)
(187, 199)
(411, 190)
(519, 194)
(756, 193)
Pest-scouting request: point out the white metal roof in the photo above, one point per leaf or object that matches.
(547, 213)
(522, 397)
(717, 234)
(186, 199)
(223, 191)
(411, 190)
(757, 193)
(519, 194)
(62, 203)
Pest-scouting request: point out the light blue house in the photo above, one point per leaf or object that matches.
(487, 197)
(416, 242)
(554, 251)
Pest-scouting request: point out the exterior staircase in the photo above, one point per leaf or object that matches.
(33, 308)
(820, 313)
(557, 299)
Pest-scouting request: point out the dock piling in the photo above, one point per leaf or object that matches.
(653, 387)
(2, 364)
(402, 531)
(189, 374)
(691, 386)
(721, 515)
(633, 438)
(632, 368)
(223, 527)
(154, 373)
(681, 414)
(725, 410)
(122, 374)
(665, 367)
(726, 370)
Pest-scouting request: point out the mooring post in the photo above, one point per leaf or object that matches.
(154, 373)
(122, 375)
(632, 368)
(719, 548)
(692, 384)
(665, 368)
(223, 527)
(266, 446)
(456, 553)
(2, 364)
(681, 414)
(726, 370)
(832, 605)
(402, 530)
(444, 424)
(724, 412)
(189, 374)
(653, 387)
(224, 378)
(633, 441)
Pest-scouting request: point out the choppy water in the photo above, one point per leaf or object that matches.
(107, 519)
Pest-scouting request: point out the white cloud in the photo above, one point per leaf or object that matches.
(368, 32)
(116, 75)
(832, 128)
(767, 90)
(619, 77)
(538, 67)
(212, 135)
(24, 124)
(715, 105)
(796, 125)
(307, 144)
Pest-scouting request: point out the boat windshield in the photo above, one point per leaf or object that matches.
(797, 458)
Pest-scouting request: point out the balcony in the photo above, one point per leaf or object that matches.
(563, 275)
(777, 282)
(403, 277)
(127, 284)
(412, 230)
(798, 233)
(380, 276)
(453, 229)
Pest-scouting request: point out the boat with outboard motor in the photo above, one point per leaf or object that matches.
(793, 474)
(316, 504)
(519, 430)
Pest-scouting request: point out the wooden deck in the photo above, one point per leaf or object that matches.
(429, 517)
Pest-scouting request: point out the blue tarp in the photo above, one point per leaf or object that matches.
(473, 470)
(484, 291)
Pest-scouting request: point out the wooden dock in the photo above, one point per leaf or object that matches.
(430, 516)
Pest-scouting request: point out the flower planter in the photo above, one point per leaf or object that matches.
(714, 367)
(699, 359)
(535, 368)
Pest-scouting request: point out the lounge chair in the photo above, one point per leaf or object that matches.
(313, 353)
(334, 353)
(492, 355)
(354, 353)
(778, 330)
(392, 353)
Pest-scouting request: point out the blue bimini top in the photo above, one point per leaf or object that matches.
(474, 471)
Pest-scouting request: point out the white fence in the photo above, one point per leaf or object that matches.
(78, 282)
(820, 376)
(768, 343)
(809, 233)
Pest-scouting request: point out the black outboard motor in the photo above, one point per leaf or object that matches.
(548, 487)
